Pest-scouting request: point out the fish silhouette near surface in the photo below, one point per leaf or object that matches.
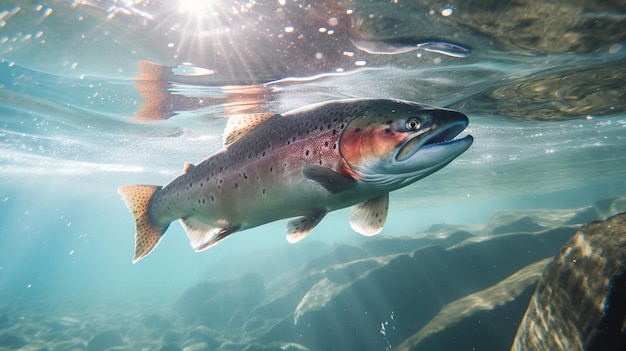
(301, 164)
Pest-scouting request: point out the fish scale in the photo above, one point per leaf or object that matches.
(303, 163)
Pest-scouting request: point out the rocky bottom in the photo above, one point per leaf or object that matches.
(452, 287)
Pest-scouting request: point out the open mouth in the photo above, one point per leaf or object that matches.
(440, 137)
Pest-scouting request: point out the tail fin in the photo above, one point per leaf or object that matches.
(147, 234)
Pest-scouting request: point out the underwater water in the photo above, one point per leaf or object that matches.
(541, 82)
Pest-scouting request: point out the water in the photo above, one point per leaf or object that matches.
(545, 102)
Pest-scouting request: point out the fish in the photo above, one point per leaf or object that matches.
(301, 165)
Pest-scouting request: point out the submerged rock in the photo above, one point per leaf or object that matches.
(486, 320)
(580, 301)
(373, 303)
(11, 341)
(221, 303)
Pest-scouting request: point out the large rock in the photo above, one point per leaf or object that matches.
(285, 292)
(349, 305)
(486, 320)
(580, 301)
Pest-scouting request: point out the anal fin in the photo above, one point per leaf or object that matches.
(197, 232)
(221, 235)
(202, 236)
(298, 228)
(368, 218)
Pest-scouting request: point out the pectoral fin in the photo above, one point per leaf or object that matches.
(368, 218)
(329, 179)
(298, 228)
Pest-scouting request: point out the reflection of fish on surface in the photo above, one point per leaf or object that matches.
(156, 84)
(265, 43)
(304, 163)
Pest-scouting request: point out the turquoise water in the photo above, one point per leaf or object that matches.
(547, 118)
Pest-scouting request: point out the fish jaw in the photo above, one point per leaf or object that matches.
(409, 142)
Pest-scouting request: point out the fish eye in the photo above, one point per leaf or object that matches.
(413, 124)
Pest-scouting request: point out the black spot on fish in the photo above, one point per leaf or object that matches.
(203, 202)
(212, 198)
(307, 153)
(326, 143)
(356, 130)
(236, 185)
(245, 176)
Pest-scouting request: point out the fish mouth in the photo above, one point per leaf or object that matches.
(440, 143)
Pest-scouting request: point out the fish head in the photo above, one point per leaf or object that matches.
(391, 143)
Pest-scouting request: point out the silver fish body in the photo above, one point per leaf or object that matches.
(303, 163)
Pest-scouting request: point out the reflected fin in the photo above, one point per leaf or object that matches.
(368, 218)
(401, 46)
(298, 228)
(445, 48)
(240, 125)
(377, 47)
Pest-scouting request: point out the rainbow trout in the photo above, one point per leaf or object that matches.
(304, 164)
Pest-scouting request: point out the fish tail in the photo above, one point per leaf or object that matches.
(147, 234)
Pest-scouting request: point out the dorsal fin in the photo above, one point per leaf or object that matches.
(187, 167)
(240, 125)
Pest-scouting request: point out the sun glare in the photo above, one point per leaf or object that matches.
(198, 8)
